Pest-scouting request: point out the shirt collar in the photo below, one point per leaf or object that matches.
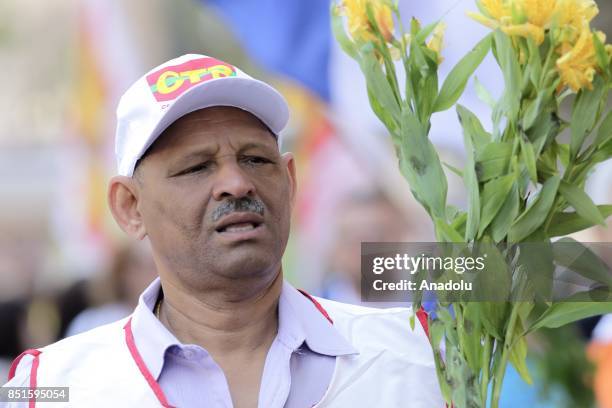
(150, 335)
(319, 333)
(299, 321)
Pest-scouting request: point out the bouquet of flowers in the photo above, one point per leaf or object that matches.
(524, 179)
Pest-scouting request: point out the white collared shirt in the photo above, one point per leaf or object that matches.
(297, 370)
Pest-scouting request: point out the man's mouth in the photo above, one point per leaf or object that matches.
(239, 227)
(239, 222)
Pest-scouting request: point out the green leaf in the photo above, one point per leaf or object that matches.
(419, 60)
(566, 223)
(436, 330)
(415, 27)
(494, 315)
(494, 282)
(470, 335)
(563, 153)
(580, 259)
(508, 62)
(459, 222)
(530, 114)
(455, 82)
(467, 120)
(529, 159)
(605, 130)
(494, 195)
(507, 214)
(536, 260)
(584, 114)
(518, 355)
(576, 307)
(535, 62)
(446, 232)
(459, 373)
(600, 51)
(384, 115)
(483, 93)
(464, 391)
(603, 153)
(606, 150)
(535, 108)
(524, 311)
(452, 212)
(537, 211)
(547, 163)
(426, 31)
(493, 160)
(470, 122)
(428, 91)
(337, 23)
(545, 128)
(453, 169)
(420, 165)
(377, 82)
(582, 203)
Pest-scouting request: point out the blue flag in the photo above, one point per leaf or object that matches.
(287, 37)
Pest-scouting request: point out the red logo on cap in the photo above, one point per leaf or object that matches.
(170, 82)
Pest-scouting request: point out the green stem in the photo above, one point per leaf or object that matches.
(459, 319)
(501, 368)
(486, 363)
(546, 67)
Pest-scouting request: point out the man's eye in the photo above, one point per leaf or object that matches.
(195, 169)
(255, 160)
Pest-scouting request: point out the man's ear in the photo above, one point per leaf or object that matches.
(123, 194)
(290, 166)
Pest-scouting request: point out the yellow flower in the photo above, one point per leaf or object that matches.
(505, 24)
(500, 16)
(494, 11)
(359, 25)
(436, 41)
(568, 16)
(538, 12)
(525, 30)
(577, 63)
(486, 21)
(575, 12)
(497, 9)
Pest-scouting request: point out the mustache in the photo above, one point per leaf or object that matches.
(243, 204)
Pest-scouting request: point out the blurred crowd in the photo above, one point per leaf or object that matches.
(64, 267)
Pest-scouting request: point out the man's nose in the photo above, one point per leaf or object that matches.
(231, 181)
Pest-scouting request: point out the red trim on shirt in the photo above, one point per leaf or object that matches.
(129, 339)
(33, 370)
(33, 374)
(16, 361)
(317, 305)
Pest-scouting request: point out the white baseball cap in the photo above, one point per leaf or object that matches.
(184, 85)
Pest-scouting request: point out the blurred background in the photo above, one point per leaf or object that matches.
(65, 266)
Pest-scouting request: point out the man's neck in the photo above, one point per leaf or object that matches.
(223, 328)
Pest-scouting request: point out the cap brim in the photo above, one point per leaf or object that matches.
(251, 95)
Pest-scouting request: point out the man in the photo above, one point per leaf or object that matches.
(201, 175)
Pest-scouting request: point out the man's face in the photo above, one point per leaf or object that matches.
(215, 196)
